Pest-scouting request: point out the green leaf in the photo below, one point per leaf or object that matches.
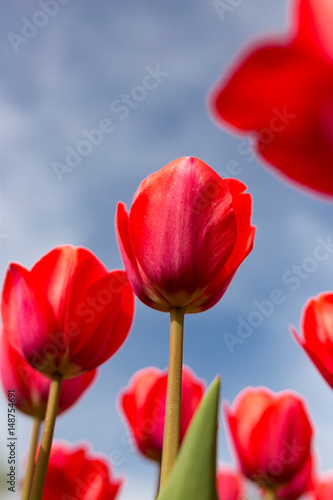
(193, 476)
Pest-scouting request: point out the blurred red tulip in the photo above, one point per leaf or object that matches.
(282, 91)
(317, 333)
(323, 487)
(185, 236)
(73, 473)
(271, 434)
(68, 314)
(143, 405)
(32, 388)
(301, 483)
(230, 485)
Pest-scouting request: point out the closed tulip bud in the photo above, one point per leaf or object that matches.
(187, 232)
(271, 434)
(143, 405)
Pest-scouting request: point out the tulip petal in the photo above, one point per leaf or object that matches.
(317, 329)
(315, 19)
(242, 206)
(111, 321)
(33, 317)
(141, 285)
(63, 276)
(281, 91)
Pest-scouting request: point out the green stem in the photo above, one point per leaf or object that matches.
(174, 389)
(46, 442)
(29, 473)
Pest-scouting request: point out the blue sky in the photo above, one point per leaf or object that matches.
(70, 75)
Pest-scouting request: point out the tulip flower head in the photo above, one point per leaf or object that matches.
(230, 484)
(317, 333)
(68, 314)
(281, 91)
(187, 232)
(32, 387)
(271, 434)
(323, 487)
(143, 405)
(74, 473)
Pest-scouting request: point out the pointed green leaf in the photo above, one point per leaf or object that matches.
(193, 476)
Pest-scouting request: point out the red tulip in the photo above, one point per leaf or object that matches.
(230, 485)
(32, 388)
(282, 91)
(185, 236)
(323, 489)
(317, 329)
(301, 483)
(143, 405)
(68, 314)
(271, 434)
(74, 473)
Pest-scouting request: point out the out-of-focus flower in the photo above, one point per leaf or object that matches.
(323, 487)
(282, 91)
(187, 232)
(230, 484)
(143, 405)
(32, 388)
(271, 434)
(73, 473)
(68, 314)
(317, 333)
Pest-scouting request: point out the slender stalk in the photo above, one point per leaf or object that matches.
(46, 442)
(29, 473)
(270, 495)
(173, 398)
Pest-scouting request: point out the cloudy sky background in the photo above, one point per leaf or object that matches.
(65, 80)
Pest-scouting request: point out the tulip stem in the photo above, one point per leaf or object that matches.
(29, 473)
(270, 494)
(174, 389)
(46, 442)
